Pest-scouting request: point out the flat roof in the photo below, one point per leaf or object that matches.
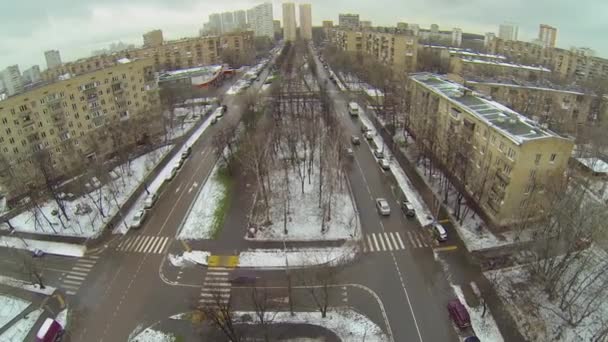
(544, 86)
(514, 125)
(208, 71)
(508, 65)
(594, 164)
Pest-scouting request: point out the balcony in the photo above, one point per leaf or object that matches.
(500, 192)
(503, 176)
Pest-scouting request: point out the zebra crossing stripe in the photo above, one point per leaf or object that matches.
(400, 241)
(388, 242)
(80, 269)
(162, 247)
(381, 242)
(364, 247)
(71, 293)
(392, 236)
(74, 282)
(132, 243)
(78, 273)
(86, 262)
(154, 245)
(124, 242)
(375, 242)
(143, 243)
(69, 276)
(67, 286)
(369, 241)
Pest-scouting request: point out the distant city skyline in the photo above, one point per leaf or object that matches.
(27, 33)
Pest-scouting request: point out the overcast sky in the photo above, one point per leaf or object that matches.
(76, 27)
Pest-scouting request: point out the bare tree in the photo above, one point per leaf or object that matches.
(221, 315)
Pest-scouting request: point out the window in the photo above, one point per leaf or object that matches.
(532, 174)
(493, 140)
(507, 169)
(537, 159)
(501, 146)
(552, 159)
(511, 154)
(486, 134)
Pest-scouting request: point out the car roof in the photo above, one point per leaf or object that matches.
(441, 229)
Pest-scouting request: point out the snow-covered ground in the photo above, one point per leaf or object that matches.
(10, 307)
(20, 284)
(19, 331)
(305, 216)
(347, 324)
(484, 326)
(270, 258)
(423, 214)
(85, 219)
(62, 318)
(540, 319)
(151, 335)
(48, 247)
(199, 223)
(189, 258)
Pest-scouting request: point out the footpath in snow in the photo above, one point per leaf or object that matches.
(10, 307)
(48, 247)
(19, 331)
(21, 284)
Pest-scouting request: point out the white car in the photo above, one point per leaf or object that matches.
(150, 200)
(383, 208)
(138, 219)
(171, 174)
(384, 164)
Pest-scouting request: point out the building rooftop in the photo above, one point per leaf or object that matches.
(541, 84)
(206, 72)
(465, 52)
(515, 126)
(504, 64)
(594, 164)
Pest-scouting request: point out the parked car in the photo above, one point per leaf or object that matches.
(50, 331)
(383, 208)
(37, 253)
(186, 152)
(384, 164)
(224, 109)
(150, 200)
(408, 208)
(472, 339)
(459, 314)
(243, 278)
(138, 219)
(369, 135)
(214, 120)
(349, 152)
(378, 153)
(439, 231)
(355, 140)
(364, 128)
(179, 163)
(171, 174)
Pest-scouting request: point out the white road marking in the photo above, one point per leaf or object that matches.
(71, 293)
(154, 246)
(70, 276)
(381, 241)
(74, 282)
(400, 241)
(150, 243)
(388, 241)
(409, 235)
(142, 243)
(392, 235)
(80, 269)
(160, 250)
(375, 242)
(78, 273)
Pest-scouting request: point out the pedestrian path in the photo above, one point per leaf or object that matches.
(144, 244)
(72, 280)
(216, 287)
(395, 241)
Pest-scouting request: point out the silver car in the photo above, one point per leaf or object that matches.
(138, 219)
(383, 208)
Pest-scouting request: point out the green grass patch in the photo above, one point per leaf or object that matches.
(224, 177)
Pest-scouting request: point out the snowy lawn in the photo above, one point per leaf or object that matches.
(484, 326)
(305, 216)
(271, 258)
(21, 284)
(150, 335)
(48, 247)
(10, 307)
(206, 214)
(539, 318)
(85, 219)
(19, 331)
(346, 323)
(423, 214)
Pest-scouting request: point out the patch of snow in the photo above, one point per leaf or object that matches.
(150, 335)
(19, 331)
(199, 222)
(278, 258)
(10, 307)
(62, 318)
(189, 258)
(347, 324)
(18, 283)
(48, 247)
(484, 326)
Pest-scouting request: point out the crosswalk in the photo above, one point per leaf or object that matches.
(394, 241)
(143, 244)
(71, 280)
(216, 287)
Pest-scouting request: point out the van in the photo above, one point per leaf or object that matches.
(440, 233)
(353, 108)
(459, 314)
(50, 331)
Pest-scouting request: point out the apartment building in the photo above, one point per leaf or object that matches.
(58, 126)
(396, 49)
(348, 21)
(579, 64)
(469, 66)
(12, 79)
(521, 52)
(547, 35)
(153, 38)
(456, 37)
(508, 31)
(289, 21)
(172, 55)
(562, 110)
(32, 75)
(260, 20)
(501, 158)
(305, 21)
(53, 58)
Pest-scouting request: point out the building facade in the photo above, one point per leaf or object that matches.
(579, 64)
(12, 79)
(57, 127)
(398, 50)
(260, 20)
(503, 160)
(32, 75)
(365, 24)
(547, 35)
(228, 23)
(456, 37)
(467, 66)
(215, 24)
(521, 52)
(305, 21)
(173, 55)
(240, 20)
(289, 21)
(153, 38)
(348, 21)
(53, 58)
(508, 31)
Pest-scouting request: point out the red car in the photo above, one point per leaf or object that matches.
(459, 314)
